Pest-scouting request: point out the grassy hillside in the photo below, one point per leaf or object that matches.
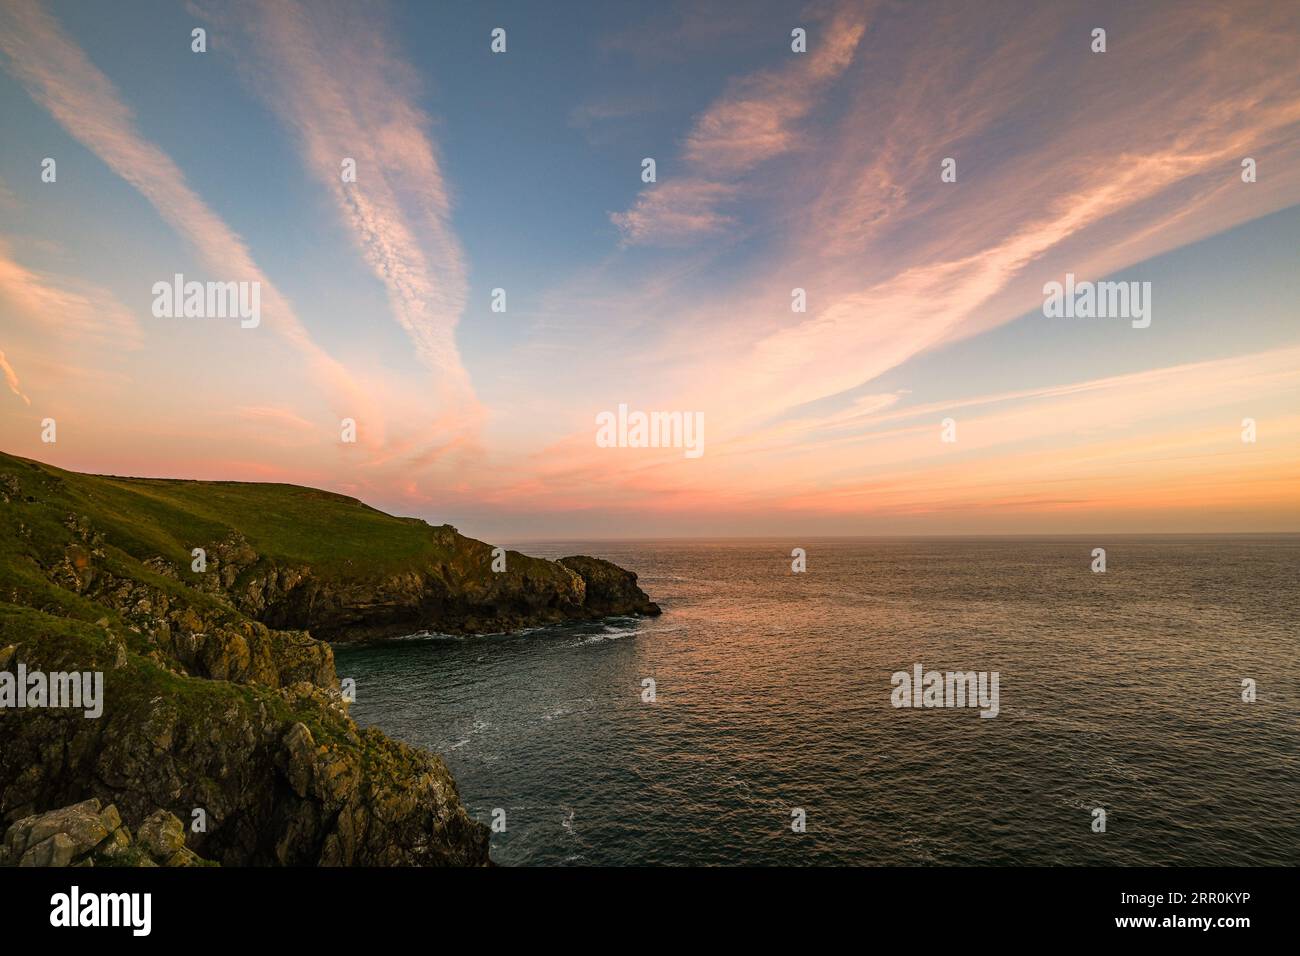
(157, 516)
(294, 557)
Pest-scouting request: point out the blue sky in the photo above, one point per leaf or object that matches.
(775, 170)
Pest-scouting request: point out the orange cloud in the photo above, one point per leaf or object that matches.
(66, 307)
(11, 379)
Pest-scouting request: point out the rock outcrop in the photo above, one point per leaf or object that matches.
(457, 595)
(86, 834)
(201, 604)
(610, 590)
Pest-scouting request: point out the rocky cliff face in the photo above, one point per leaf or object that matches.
(220, 705)
(609, 589)
(457, 594)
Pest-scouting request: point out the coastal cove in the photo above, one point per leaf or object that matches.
(201, 604)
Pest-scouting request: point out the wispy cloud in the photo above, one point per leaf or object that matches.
(816, 171)
(11, 379)
(896, 263)
(331, 72)
(758, 116)
(755, 120)
(66, 307)
(1117, 440)
(62, 79)
(677, 211)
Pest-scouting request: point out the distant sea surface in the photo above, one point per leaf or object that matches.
(1120, 691)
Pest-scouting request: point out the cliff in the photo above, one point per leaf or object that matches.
(218, 694)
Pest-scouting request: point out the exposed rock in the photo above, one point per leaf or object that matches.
(283, 775)
(161, 835)
(58, 850)
(609, 589)
(80, 823)
(85, 835)
(459, 595)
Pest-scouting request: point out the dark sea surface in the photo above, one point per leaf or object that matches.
(1120, 691)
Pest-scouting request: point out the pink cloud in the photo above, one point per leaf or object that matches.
(11, 379)
(675, 211)
(895, 263)
(755, 120)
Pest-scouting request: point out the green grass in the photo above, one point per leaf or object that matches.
(76, 645)
(335, 534)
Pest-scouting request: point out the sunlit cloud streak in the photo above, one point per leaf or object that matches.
(896, 263)
(11, 379)
(890, 460)
(62, 79)
(65, 307)
(755, 120)
(331, 73)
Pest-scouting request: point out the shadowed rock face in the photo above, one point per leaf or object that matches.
(458, 594)
(218, 696)
(610, 589)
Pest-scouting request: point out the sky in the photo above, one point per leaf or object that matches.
(923, 388)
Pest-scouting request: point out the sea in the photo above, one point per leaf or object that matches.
(1147, 714)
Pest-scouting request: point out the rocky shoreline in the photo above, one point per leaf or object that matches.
(221, 701)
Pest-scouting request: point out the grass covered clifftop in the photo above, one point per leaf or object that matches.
(294, 557)
(217, 694)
